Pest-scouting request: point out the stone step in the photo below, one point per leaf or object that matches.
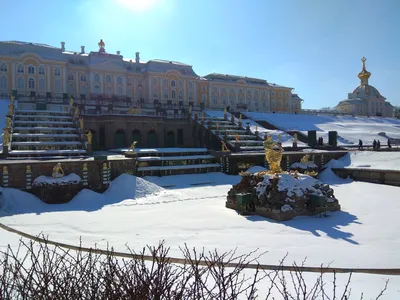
(43, 129)
(40, 112)
(44, 135)
(18, 122)
(46, 143)
(160, 168)
(167, 158)
(251, 148)
(36, 153)
(37, 117)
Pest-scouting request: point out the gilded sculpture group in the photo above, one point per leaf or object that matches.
(7, 130)
(75, 111)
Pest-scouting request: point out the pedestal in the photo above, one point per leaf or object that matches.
(89, 149)
(237, 147)
(131, 154)
(5, 151)
(294, 145)
(256, 133)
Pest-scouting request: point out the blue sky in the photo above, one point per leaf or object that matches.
(314, 46)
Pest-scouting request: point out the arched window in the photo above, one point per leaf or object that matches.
(41, 70)
(96, 88)
(255, 102)
(70, 76)
(42, 85)
(180, 95)
(173, 83)
(57, 86)
(190, 85)
(119, 91)
(224, 99)
(240, 91)
(166, 93)
(154, 81)
(31, 69)
(190, 95)
(264, 103)
(119, 80)
(232, 99)
(31, 83)
(215, 99)
(155, 93)
(20, 69)
(96, 78)
(139, 83)
(57, 72)
(83, 77)
(173, 94)
(129, 82)
(204, 98)
(180, 84)
(3, 67)
(3, 82)
(21, 83)
(108, 78)
(83, 89)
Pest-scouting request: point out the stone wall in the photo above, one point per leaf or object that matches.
(17, 170)
(389, 177)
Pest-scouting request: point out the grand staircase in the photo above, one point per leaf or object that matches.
(173, 161)
(237, 138)
(42, 133)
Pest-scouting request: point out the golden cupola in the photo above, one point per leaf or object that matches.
(364, 74)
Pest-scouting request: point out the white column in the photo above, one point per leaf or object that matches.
(64, 72)
(48, 74)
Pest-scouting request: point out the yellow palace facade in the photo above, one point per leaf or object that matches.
(43, 71)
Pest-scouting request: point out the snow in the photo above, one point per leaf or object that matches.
(162, 150)
(27, 152)
(44, 128)
(286, 139)
(138, 211)
(178, 167)
(256, 169)
(188, 157)
(49, 180)
(369, 160)
(350, 129)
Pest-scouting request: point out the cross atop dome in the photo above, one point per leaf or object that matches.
(101, 45)
(364, 74)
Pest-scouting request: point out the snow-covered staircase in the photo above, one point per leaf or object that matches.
(225, 129)
(38, 133)
(172, 161)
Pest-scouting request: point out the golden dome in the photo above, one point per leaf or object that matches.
(364, 74)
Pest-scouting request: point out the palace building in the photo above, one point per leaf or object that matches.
(41, 71)
(365, 100)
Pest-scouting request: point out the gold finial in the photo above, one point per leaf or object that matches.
(81, 123)
(104, 166)
(364, 74)
(101, 44)
(363, 62)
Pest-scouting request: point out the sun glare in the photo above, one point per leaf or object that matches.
(139, 5)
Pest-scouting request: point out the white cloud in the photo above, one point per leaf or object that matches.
(139, 5)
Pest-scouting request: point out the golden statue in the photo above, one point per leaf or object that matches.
(76, 115)
(89, 137)
(237, 138)
(224, 147)
(81, 123)
(101, 44)
(12, 100)
(273, 156)
(268, 143)
(305, 159)
(217, 126)
(8, 123)
(295, 138)
(224, 111)
(6, 138)
(104, 166)
(71, 102)
(132, 147)
(10, 109)
(311, 173)
(85, 168)
(28, 169)
(58, 171)
(133, 111)
(240, 118)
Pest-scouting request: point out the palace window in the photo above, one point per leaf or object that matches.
(108, 78)
(173, 94)
(232, 99)
(214, 90)
(31, 70)
(165, 82)
(180, 95)
(180, 84)
(42, 85)
(41, 70)
(224, 99)
(83, 78)
(273, 94)
(139, 82)
(280, 104)
(154, 81)
(119, 80)
(21, 83)
(173, 83)
(31, 83)
(215, 99)
(190, 86)
(96, 78)
(119, 91)
(70, 76)
(70, 89)
(155, 93)
(190, 95)
(203, 88)
(20, 69)
(280, 94)
(240, 91)
(3, 67)
(204, 98)
(273, 103)
(287, 95)
(166, 93)
(108, 90)
(255, 102)
(264, 103)
(3, 82)
(57, 86)
(57, 72)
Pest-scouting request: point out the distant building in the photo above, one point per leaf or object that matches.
(365, 99)
(38, 70)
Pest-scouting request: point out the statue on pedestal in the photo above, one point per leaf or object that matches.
(58, 171)
(295, 138)
(81, 123)
(12, 100)
(273, 155)
(217, 125)
(8, 123)
(71, 102)
(76, 115)
(237, 138)
(6, 138)
(132, 147)
(10, 109)
(224, 147)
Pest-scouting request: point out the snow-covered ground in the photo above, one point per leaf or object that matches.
(191, 209)
(350, 129)
(286, 139)
(370, 160)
